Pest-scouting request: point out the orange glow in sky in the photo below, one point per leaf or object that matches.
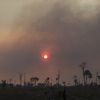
(45, 56)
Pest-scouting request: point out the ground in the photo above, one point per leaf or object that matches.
(51, 93)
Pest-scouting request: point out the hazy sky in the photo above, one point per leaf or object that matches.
(69, 30)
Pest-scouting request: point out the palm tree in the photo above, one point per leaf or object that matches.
(88, 75)
(83, 65)
(34, 80)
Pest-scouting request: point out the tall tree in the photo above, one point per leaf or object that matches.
(83, 65)
(88, 75)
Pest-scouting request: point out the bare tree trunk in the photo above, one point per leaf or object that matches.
(84, 79)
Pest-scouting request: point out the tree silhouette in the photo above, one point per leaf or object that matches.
(88, 75)
(20, 78)
(58, 78)
(97, 78)
(3, 83)
(47, 81)
(76, 80)
(64, 83)
(34, 80)
(83, 65)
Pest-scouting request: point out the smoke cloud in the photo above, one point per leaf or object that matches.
(68, 33)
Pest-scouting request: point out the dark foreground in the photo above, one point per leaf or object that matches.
(51, 93)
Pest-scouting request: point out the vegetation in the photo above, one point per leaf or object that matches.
(32, 90)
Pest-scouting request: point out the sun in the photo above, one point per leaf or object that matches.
(45, 56)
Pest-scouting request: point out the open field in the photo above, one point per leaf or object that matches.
(50, 93)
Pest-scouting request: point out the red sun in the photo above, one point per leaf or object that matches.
(45, 56)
